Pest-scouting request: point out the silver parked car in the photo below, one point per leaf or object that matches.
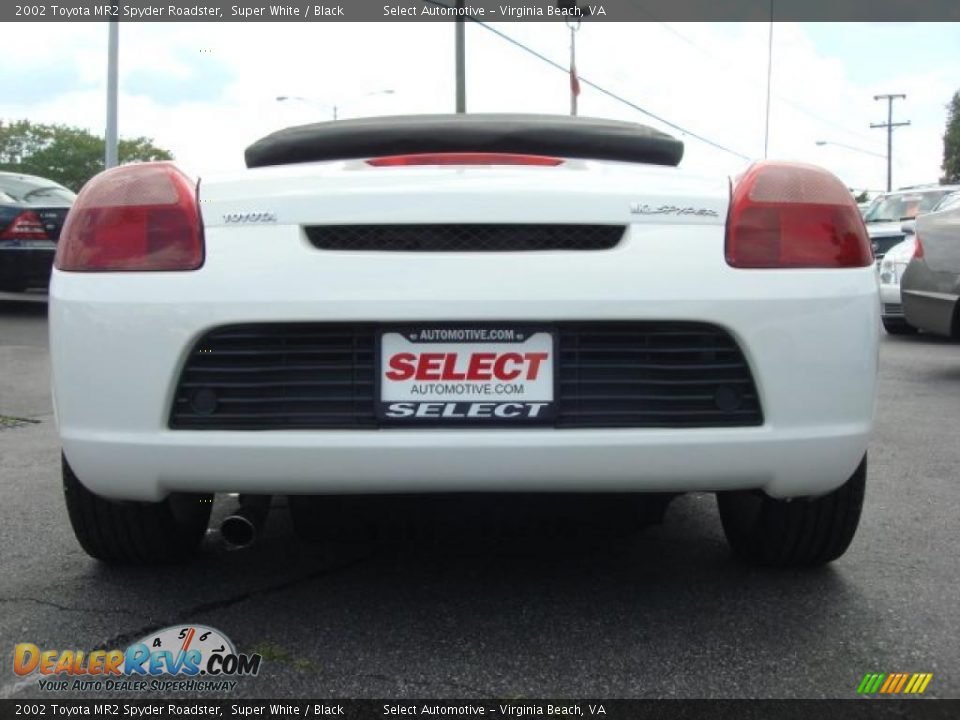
(889, 211)
(931, 282)
(892, 267)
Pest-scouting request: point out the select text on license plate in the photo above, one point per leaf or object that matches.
(488, 375)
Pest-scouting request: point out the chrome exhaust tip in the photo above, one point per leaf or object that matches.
(241, 528)
(238, 531)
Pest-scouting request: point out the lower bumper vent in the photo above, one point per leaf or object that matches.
(274, 376)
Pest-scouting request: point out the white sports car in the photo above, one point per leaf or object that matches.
(475, 303)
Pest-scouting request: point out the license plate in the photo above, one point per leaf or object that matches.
(466, 375)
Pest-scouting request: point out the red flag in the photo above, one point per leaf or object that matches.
(574, 80)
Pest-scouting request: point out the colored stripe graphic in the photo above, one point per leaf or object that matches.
(894, 683)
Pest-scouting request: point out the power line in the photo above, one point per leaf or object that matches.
(610, 93)
(594, 85)
(779, 97)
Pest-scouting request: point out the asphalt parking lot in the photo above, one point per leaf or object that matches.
(664, 613)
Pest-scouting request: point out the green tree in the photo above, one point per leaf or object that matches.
(951, 142)
(67, 155)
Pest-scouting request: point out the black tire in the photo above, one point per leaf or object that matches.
(136, 533)
(898, 327)
(802, 532)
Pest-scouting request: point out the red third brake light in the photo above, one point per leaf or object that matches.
(135, 217)
(26, 226)
(463, 158)
(791, 215)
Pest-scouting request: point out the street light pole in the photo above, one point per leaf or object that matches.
(113, 41)
(334, 108)
(461, 59)
(889, 125)
(850, 147)
(766, 129)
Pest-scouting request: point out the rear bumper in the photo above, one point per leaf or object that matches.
(891, 305)
(930, 300)
(26, 266)
(118, 342)
(930, 311)
(782, 462)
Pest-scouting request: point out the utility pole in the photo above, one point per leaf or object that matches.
(889, 125)
(461, 60)
(113, 41)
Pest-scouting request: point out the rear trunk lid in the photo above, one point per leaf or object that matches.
(354, 193)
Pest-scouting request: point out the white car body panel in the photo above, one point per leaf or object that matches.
(119, 340)
(891, 270)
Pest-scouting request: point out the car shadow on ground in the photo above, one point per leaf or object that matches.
(920, 338)
(22, 304)
(589, 574)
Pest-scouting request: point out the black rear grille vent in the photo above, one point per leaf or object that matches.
(653, 374)
(464, 238)
(275, 376)
(278, 376)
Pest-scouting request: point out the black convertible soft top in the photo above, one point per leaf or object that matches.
(559, 135)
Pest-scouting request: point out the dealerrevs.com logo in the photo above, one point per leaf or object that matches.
(180, 658)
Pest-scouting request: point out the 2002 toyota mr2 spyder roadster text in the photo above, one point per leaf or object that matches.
(464, 304)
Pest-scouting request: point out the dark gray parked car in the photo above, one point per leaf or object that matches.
(32, 211)
(930, 286)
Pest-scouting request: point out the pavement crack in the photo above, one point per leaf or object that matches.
(67, 608)
(186, 615)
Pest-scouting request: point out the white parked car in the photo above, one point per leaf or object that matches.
(463, 304)
(892, 266)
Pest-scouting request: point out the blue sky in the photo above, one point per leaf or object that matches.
(877, 50)
(206, 90)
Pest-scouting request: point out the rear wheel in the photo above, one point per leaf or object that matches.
(793, 533)
(137, 533)
(898, 327)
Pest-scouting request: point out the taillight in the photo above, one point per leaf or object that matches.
(135, 217)
(464, 158)
(26, 226)
(917, 246)
(791, 215)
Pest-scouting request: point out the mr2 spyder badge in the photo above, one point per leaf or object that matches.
(466, 375)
